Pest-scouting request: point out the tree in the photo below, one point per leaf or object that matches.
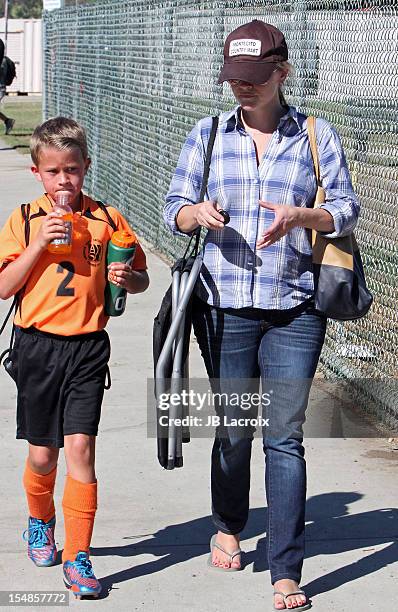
(22, 9)
(26, 9)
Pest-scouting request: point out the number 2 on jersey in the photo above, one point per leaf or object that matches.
(63, 289)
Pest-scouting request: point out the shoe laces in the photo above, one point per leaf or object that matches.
(83, 565)
(36, 534)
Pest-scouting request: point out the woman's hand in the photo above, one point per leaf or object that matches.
(286, 218)
(52, 227)
(206, 214)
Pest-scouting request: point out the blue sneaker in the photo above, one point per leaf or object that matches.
(41, 545)
(79, 577)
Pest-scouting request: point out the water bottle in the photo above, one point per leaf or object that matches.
(62, 246)
(121, 248)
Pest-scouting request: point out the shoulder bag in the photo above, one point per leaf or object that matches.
(339, 279)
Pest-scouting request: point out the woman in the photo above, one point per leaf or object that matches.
(253, 313)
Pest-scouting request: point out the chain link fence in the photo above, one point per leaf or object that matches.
(139, 74)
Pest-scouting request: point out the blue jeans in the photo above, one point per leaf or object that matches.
(282, 348)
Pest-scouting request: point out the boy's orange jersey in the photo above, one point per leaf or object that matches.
(64, 294)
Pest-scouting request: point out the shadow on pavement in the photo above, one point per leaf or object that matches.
(330, 530)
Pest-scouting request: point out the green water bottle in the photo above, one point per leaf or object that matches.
(121, 248)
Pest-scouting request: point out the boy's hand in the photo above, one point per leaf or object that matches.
(120, 274)
(52, 227)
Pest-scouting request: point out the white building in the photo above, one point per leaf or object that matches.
(24, 47)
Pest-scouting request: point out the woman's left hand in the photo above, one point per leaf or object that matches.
(286, 218)
(120, 274)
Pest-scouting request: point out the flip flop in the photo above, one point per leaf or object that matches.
(305, 606)
(213, 545)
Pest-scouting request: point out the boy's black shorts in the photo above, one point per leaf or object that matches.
(60, 381)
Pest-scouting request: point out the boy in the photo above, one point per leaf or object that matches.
(61, 349)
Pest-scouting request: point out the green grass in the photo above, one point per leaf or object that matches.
(27, 115)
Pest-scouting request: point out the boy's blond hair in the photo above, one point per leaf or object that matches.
(61, 133)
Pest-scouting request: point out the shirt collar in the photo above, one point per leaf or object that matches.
(231, 118)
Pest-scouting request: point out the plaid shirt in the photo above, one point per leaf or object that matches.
(234, 273)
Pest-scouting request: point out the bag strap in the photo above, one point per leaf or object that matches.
(13, 307)
(203, 188)
(320, 194)
(25, 212)
(311, 123)
(106, 213)
(102, 206)
(14, 303)
(209, 151)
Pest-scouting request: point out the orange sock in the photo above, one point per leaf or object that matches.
(40, 493)
(79, 504)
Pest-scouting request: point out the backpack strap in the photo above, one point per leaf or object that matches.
(25, 211)
(8, 314)
(106, 213)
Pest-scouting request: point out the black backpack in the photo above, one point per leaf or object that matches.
(8, 69)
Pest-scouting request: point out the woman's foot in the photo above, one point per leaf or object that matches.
(230, 543)
(288, 586)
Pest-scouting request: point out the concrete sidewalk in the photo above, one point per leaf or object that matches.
(153, 527)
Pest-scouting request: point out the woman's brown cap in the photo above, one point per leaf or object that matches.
(252, 51)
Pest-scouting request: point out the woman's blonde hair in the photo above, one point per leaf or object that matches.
(61, 133)
(285, 67)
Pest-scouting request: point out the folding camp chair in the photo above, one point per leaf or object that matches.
(171, 333)
(172, 365)
(172, 330)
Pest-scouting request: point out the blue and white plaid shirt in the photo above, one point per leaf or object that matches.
(234, 273)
